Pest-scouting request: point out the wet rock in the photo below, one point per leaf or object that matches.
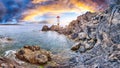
(54, 28)
(9, 39)
(8, 63)
(34, 55)
(33, 48)
(6, 39)
(45, 28)
(39, 56)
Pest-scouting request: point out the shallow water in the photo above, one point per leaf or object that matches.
(31, 35)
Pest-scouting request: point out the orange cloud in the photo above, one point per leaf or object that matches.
(59, 6)
(38, 1)
(83, 5)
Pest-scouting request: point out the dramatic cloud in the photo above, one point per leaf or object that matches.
(11, 9)
(47, 10)
(62, 6)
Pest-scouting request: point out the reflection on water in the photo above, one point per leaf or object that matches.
(30, 35)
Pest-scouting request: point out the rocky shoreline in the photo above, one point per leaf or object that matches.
(97, 37)
(32, 57)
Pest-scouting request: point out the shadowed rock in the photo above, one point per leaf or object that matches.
(76, 47)
(45, 28)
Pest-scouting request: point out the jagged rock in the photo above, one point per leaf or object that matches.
(115, 57)
(54, 28)
(98, 37)
(8, 63)
(103, 40)
(45, 28)
(73, 36)
(29, 54)
(6, 40)
(116, 47)
(76, 47)
(82, 35)
(82, 48)
(84, 45)
(115, 34)
(34, 55)
(34, 48)
(90, 43)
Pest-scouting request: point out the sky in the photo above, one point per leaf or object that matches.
(46, 11)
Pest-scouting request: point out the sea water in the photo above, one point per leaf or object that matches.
(31, 34)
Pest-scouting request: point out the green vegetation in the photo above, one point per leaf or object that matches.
(41, 66)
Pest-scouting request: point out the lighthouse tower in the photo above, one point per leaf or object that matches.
(58, 20)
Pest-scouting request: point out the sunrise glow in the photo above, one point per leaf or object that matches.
(58, 8)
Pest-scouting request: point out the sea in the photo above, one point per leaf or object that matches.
(31, 34)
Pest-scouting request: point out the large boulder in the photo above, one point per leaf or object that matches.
(45, 28)
(34, 55)
(84, 45)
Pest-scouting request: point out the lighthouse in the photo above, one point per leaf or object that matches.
(58, 20)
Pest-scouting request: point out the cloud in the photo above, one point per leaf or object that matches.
(12, 8)
(38, 1)
(2, 11)
(62, 6)
(28, 10)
